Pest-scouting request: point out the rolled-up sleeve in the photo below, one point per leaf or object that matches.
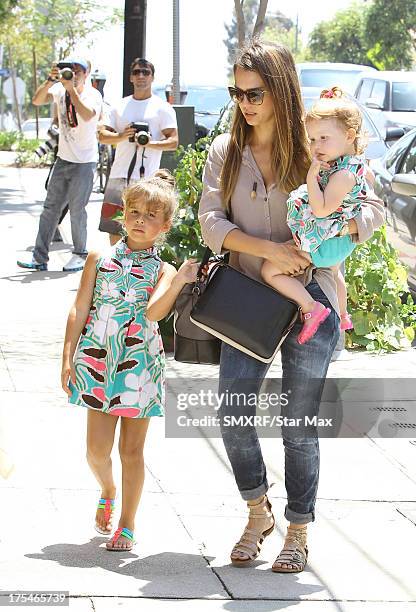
(212, 214)
(370, 218)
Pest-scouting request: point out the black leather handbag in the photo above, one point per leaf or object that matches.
(231, 307)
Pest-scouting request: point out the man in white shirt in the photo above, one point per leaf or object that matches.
(133, 161)
(79, 107)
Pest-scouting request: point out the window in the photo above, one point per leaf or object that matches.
(409, 162)
(404, 96)
(379, 93)
(396, 152)
(346, 79)
(365, 90)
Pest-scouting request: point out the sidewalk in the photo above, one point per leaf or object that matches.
(361, 545)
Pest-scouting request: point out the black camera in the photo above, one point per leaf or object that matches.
(51, 145)
(142, 135)
(66, 70)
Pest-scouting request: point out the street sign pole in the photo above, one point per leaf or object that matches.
(176, 54)
(134, 37)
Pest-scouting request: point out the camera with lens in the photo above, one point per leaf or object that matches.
(66, 70)
(142, 135)
(51, 145)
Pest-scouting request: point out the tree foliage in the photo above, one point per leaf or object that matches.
(390, 32)
(5, 7)
(51, 29)
(380, 34)
(282, 30)
(341, 39)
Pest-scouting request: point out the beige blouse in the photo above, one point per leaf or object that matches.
(263, 217)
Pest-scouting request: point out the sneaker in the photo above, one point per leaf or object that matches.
(75, 264)
(32, 265)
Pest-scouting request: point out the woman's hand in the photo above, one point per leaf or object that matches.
(67, 374)
(287, 257)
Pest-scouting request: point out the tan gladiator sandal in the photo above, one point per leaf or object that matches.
(251, 540)
(294, 553)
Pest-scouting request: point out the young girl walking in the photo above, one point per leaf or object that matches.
(318, 212)
(118, 368)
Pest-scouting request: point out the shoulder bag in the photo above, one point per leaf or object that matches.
(231, 307)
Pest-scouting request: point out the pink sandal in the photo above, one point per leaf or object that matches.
(121, 532)
(108, 506)
(314, 318)
(346, 322)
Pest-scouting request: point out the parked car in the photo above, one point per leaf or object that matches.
(328, 74)
(391, 93)
(396, 186)
(377, 145)
(208, 102)
(29, 128)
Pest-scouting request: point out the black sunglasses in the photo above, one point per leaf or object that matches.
(139, 71)
(254, 96)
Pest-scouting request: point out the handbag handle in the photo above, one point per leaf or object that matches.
(205, 259)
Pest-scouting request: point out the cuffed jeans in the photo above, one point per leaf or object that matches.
(304, 370)
(70, 184)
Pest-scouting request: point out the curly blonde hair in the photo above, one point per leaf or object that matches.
(333, 104)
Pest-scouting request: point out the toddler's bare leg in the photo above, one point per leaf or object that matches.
(341, 289)
(288, 286)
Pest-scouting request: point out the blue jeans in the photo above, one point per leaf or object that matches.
(304, 370)
(70, 184)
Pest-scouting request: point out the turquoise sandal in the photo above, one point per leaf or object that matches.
(108, 506)
(121, 532)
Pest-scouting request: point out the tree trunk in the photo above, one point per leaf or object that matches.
(241, 22)
(261, 14)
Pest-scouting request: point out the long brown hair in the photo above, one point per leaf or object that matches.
(290, 153)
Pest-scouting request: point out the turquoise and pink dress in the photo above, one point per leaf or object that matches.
(319, 235)
(120, 361)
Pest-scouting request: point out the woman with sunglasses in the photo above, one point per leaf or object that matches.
(247, 178)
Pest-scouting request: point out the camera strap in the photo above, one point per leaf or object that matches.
(132, 165)
(71, 113)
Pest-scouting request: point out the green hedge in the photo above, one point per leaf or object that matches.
(383, 312)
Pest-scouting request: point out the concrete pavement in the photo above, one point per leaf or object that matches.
(361, 545)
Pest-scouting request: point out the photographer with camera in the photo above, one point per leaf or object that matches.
(71, 181)
(141, 126)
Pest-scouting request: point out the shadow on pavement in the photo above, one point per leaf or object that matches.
(164, 571)
(7, 206)
(30, 277)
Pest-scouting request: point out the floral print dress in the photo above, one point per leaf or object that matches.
(119, 362)
(309, 231)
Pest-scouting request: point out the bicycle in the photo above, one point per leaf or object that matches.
(102, 171)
